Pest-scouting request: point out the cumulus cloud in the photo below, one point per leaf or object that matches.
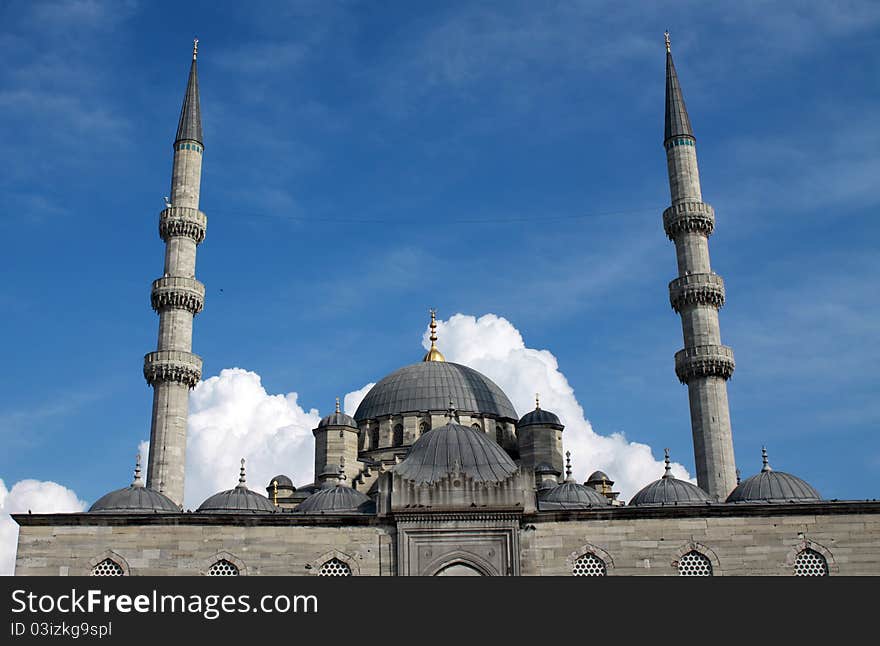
(231, 416)
(492, 345)
(40, 497)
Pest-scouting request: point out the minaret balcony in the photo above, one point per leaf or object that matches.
(704, 361)
(689, 217)
(172, 365)
(696, 289)
(182, 221)
(178, 292)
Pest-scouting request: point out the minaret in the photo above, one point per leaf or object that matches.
(177, 297)
(697, 294)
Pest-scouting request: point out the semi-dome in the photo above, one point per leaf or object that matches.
(773, 486)
(135, 499)
(240, 500)
(428, 386)
(337, 418)
(670, 491)
(452, 446)
(336, 499)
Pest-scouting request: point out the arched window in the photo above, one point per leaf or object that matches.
(223, 568)
(810, 563)
(424, 427)
(476, 427)
(694, 564)
(374, 437)
(589, 565)
(397, 438)
(108, 567)
(499, 434)
(335, 567)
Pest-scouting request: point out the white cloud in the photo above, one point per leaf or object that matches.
(40, 497)
(233, 417)
(355, 397)
(492, 345)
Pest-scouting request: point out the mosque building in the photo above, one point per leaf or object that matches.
(436, 473)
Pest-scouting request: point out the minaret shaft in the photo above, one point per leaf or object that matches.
(704, 364)
(177, 297)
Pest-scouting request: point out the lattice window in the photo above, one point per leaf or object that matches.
(223, 568)
(694, 564)
(810, 563)
(424, 428)
(397, 438)
(108, 567)
(589, 565)
(335, 567)
(374, 438)
(499, 435)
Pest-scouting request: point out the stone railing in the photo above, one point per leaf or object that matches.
(181, 221)
(689, 217)
(696, 289)
(704, 361)
(172, 365)
(178, 292)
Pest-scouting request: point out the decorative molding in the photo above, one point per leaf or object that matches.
(704, 361)
(696, 289)
(314, 567)
(689, 217)
(595, 550)
(182, 222)
(805, 544)
(172, 365)
(113, 556)
(693, 546)
(223, 556)
(177, 292)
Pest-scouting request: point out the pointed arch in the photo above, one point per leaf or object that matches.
(351, 561)
(110, 555)
(224, 556)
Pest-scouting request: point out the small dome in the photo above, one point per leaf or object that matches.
(283, 482)
(240, 500)
(670, 491)
(445, 448)
(546, 467)
(135, 499)
(599, 477)
(336, 499)
(571, 495)
(338, 418)
(540, 417)
(773, 486)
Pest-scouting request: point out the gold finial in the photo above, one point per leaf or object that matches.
(537, 401)
(666, 35)
(337, 404)
(195, 48)
(275, 492)
(434, 354)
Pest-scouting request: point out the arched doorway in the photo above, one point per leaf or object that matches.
(459, 569)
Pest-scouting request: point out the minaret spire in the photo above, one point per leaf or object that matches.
(433, 353)
(696, 295)
(177, 297)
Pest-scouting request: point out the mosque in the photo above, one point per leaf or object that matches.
(437, 474)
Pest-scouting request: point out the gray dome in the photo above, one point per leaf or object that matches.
(134, 499)
(240, 500)
(338, 419)
(773, 486)
(336, 499)
(571, 495)
(436, 453)
(283, 482)
(670, 491)
(428, 386)
(546, 467)
(540, 417)
(598, 477)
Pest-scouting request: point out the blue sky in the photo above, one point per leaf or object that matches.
(367, 161)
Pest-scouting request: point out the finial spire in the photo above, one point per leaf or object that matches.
(666, 36)
(450, 412)
(195, 48)
(677, 123)
(537, 401)
(766, 466)
(738, 476)
(189, 128)
(137, 472)
(341, 478)
(337, 404)
(241, 479)
(568, 465)
(668, 473)
(275, 492)
(433, 353)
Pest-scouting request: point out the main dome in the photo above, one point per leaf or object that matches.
(429, 386)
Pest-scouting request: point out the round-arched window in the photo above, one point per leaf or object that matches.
(108, 567)
(374, 437)
(499, 434)
(694, 564)
(397, 440)
(223, 568)
(589, 565)
(424, 427)
(810, 563)
(335, 567)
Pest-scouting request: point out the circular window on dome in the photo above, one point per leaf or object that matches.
(694, 564)
(223, 568)
(335, 567)
(108, 567)
(810, 563)
(589, 565)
